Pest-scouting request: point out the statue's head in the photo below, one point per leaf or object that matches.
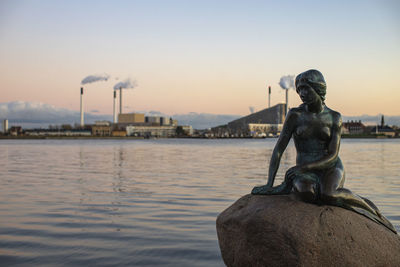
(314, 79)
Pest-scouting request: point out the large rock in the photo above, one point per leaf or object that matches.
(282, 231)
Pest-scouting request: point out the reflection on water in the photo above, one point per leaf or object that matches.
(149, 202)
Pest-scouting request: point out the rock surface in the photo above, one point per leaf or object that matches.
(282, 231)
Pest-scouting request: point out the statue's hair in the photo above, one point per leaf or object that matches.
(314, 79)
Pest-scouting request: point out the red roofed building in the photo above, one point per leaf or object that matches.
(353, 127)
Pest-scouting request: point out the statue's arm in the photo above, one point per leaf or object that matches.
(284, 138)
(333, 147)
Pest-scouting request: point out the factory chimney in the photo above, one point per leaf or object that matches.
(114, 106)
(120, 100)
(82, 120)
(287, 101)
(269, 96)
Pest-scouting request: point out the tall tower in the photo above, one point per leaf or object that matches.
(82, 119)
(5, 126)
(114, 107)
(287, 101)
(120, 100)
(269, 96)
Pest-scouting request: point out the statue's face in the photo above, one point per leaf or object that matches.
(307, 94)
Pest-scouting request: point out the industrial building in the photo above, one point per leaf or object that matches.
(101, 128)
(137, 124)
(263, 123)
(131, 118)
(150, 126)
(157, 131)
(151, 131)
(133, 124)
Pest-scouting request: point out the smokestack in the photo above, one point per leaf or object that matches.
(120, 100)
(114, 106)
(269, 96)
(287, 101)
(82, 120)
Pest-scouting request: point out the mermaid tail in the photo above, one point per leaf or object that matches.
(379, 218)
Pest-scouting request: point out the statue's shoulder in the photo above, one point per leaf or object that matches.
(336, 116)
(298, 109)
(294, 113)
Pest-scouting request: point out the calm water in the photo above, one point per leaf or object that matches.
(149, 202)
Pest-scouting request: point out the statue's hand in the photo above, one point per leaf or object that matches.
(293, 172)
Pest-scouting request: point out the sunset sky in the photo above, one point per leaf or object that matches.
(200, 56)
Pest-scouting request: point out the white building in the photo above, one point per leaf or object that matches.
(151, 131)
(5, 126)
(264, 129)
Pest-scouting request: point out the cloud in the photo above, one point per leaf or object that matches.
(287, 82)
(39, 113)
(126, 84)
(95, 78)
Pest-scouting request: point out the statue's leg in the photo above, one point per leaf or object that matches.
(332, 193)
(305, 187)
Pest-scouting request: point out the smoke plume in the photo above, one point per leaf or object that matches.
(287, 82)
(128, 83)
(95, 78)
(251, 110)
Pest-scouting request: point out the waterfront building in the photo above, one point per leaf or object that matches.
(151, 131)
(264, 129)
(153, 120)
(383, 130)
(5, 126)
(353, 127)
(15, 130)
(57, 132)
(165, 121)
(136, 124)
(130, 118)
(187, 129)
(158, 131)
(101, 128)
(266, 122)
(118, 133)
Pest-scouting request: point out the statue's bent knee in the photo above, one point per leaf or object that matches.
(305, 189)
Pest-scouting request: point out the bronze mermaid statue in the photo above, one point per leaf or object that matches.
(318, 176)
